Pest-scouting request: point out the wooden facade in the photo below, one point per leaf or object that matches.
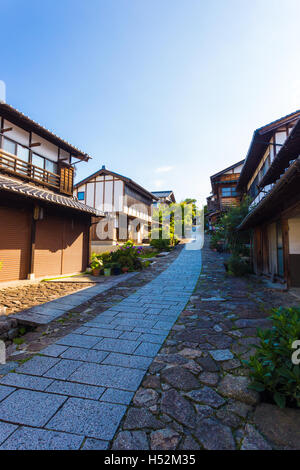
(126, 204)
(224, 193)
(271, 178)
(44, 230)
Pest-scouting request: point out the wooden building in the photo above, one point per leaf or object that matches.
(224, 192)
(44, 230)
(126, 204)
(271, 177)
(164, 197)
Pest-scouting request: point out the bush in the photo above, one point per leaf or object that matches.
(126, 256)
(271, 369)
(237, 266)
(161, 244)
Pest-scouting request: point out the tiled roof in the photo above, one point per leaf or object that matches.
(11, 113)
(162, 193)
(34, 192)
(258, 146)
(127, 180)
(227, 169)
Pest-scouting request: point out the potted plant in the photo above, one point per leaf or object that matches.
(116, 268)
(125, 269)
(96, 266)
(107, 269)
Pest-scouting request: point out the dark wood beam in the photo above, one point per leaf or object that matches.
(36, 144)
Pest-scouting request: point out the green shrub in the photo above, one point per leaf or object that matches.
(160, 244)
(237, 266)
(96, 263)
(126, 256)
(271, 369)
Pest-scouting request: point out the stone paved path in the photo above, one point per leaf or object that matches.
(49, 311)
(76, 393)
(195, 394)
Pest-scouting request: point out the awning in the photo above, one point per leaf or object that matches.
(290, 151)
(284, 193)
(33, 192)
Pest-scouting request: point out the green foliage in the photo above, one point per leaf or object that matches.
(217, 239)
(237, 266)
(96, 263)
(271, 368)
(174, 219)
(236, 240)
(226, 230)
(125, 256)
(18, 341)
(161, 244)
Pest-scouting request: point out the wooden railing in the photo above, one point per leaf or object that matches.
(13, 165)
(228, 177)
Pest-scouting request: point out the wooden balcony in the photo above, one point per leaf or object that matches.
(213, 206)
(228, 178)
(14, 166)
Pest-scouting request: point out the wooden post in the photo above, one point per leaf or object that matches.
(285, 243)
(32, 242)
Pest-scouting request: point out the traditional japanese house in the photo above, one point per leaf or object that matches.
(126, 204)
(164, 197)
(224, 192)
(44, 230)
(271, 177)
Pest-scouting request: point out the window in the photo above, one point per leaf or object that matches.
(253, 191)
(50, 166)
(22, 153)
(9, 146)
(80, 196)
(229, 192)
(37, 160)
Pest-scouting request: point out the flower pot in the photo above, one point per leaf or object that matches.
(125, 270)
(96, 272)
(116, 271)
(107, 271)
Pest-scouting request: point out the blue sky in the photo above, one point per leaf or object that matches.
(166, 92)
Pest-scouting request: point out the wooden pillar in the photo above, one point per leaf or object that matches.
(286, 250)
(35, 216)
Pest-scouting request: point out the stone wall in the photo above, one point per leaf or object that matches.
(8, 328)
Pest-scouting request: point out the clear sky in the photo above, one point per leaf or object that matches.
(166, 92)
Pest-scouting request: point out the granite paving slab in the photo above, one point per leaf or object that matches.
(88, 418)
(75, 393)
(31, 382)
(49, 311)
(6, 429)
(5, 391)
(30, 407)
(26, 438)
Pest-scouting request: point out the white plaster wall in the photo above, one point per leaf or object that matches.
(17, 134)
(64, 155)
(238, 169)
(294, 235)
(46, 149)
(99, 195)
(272, 248)
(89, 197)
(108, 196)
(118, 195)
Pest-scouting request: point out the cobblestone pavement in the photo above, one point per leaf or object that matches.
(195, 393)
(75, 394)
(21, 297)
